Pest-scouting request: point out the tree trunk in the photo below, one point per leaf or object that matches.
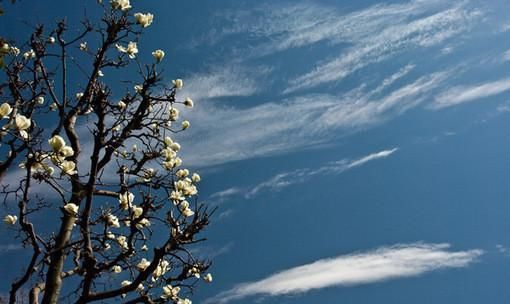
(57, 258)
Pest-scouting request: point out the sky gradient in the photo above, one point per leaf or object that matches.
(358, 151)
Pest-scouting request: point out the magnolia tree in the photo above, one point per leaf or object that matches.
(103, 166)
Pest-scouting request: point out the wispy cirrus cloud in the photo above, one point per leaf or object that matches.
(285, 179)
(463, 93)
(385, 263)
(391, 39)
(228, 133)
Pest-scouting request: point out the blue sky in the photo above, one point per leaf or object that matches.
(359, 151)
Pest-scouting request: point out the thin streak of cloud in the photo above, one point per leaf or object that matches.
(285, 179)
(389, 41)
(399, 261)
(462, 94)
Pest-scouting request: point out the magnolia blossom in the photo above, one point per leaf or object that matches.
(51, 40)
(22, 123)
(122, 5)
(178, 83)
(117, 269)
(125, 283)
(125, 200)
(121, 240)
(185, 124)
(15, 51)
(184, 301)
(5, 109)
(188, 212)
(144, 248)
(68, 167)
(161, 269)
(173, 114)
(71, 209)
(10, 219)
(143, 264)
(188, 102)
(182, 173)
(53, 106)
(83, 46)
(39, 100)
(79, 95)
(121, 105)
(175, 146)
(170, 292)
(195, 178)
(144, 19)
(112, 221)
(195, 271)
(137, 211)
(143, 223)
(138, 88)
(29, 55)
(57, 143)
(158, 54)
(208, 278)
(131, 49)
(100, 73)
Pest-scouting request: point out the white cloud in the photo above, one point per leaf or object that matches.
(285, 179)
(461, 94)
(382, 264)
(225, 81)
(221, 134)
(389, 39)
(301, 175)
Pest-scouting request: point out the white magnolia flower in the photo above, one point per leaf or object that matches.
(138, 88)
(110, 235)
(71, 209)
(121, 105)
(188, 102)
(184, 301)
(53, 106)
(195, 178)
(158, 54)
(66, 151)
(79, 95)
(57, 143)
(168, 141)
(121, 240)
(195, 271)
(5, 109)
(188, 212)
(173, 114)
(178, 83)
(143, 264)
(144, 19)
(175, 146)
(125, 200)
(112, 221)
(22, 122)
(131, 49)
(208, 278)
(68, 167)
(125, 283)
(144, 248)
(143, 223)
(137, 211)
(117, 269)
(170, 292)
(15, 51)
(10, 219)
(83, 46)
(122, 5)
(51, 40)
(100, 73)
(29, 55)
(39, 100)
(182, 173)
